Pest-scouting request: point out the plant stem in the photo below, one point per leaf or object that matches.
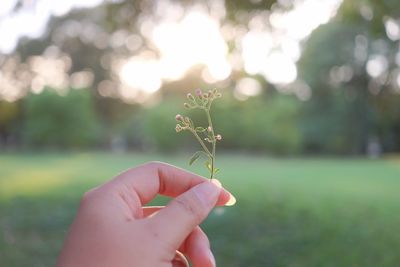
(213, 142)
(201, 142)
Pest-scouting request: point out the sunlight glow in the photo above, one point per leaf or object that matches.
(273, 52)
(305, 17)
(247, 87)
(377, 65)
(195, 40)
(392, 29)
(279, 68)
(31, 20)
(256, 47)
(182, 39)
(141, 74)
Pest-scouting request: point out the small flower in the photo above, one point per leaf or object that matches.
(190, 97)
(178, 128)
(178, 117)
(205, 135)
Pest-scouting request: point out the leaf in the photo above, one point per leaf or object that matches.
(200, 129)
(216, 170)
(208, 165)
(196, 156)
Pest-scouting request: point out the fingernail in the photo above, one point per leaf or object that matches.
(231, 201)
(211, 258)
(208, 193)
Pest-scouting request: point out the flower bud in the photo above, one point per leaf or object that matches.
(190, 97)
(218, 137)
(209, 129)
(205, 95)
(178, 128)
(199, 92)
(186, 105)
(179, 117)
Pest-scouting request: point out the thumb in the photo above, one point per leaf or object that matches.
(178, 219)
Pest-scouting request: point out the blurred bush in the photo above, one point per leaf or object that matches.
(271, 123)
(256, 124)
(9, 122)
(158, 126)
(261, 124)
(60, 122)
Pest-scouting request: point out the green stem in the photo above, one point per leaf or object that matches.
(201, 142)
(213, 143)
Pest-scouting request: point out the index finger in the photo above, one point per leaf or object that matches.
(154, 178)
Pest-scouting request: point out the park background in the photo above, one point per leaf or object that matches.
(310, 119)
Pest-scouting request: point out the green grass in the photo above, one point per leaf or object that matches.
(290, 212)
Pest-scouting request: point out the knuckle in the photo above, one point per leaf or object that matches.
(153, 164)
(87, 197)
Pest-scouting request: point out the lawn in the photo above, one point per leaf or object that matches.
(290, 212)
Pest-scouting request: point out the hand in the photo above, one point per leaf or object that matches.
(113, 229)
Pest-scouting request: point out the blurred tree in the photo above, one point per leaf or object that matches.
(268, 124)
(52, 121)
(9, 122)
(95, 39)
(350, 65)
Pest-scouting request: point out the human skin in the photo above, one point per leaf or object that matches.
(113, 228)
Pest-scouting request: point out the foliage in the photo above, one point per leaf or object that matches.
(349, 106)
(10, 113)
(156, 122)
(260, 124)
(66, 121)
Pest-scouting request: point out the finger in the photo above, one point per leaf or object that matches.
(151, 210)
(154, 178)
(179, 260)
(197, 248)
(177, 220)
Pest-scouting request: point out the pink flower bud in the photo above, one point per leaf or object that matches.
(209, 129)
(218, 137)
(199, 92)
(179, 117)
